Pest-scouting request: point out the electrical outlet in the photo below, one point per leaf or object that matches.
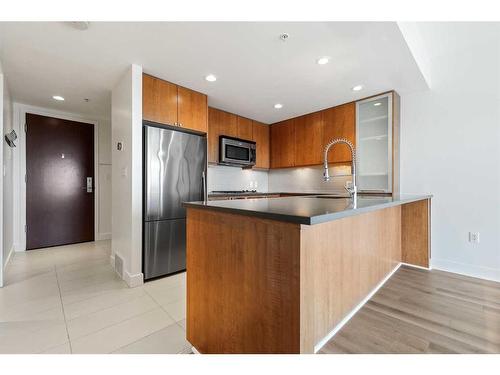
(474, 237)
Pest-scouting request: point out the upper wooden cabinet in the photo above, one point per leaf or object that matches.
(167, 103)
(192, 110)
(245, 128)
(309, 139)
(219, 123)
(301, 141)
(283, 144)
(339, 122)
(159, 100)
(261, 138)
(225, 123)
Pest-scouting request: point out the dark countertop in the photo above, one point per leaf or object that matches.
(257, 194)
(306, 209)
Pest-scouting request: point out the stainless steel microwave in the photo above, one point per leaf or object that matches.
(237, 152)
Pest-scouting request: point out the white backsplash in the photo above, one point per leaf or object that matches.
(308, 180)
(293, 180)
(231, 178)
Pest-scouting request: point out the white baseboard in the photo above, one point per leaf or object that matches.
(103, 236)
(195, 351)
(9, 256)
(133, 280)
(348, 317)
(17, 247)
(486, 273)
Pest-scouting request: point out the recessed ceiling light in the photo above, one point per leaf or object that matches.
(323, 60)
(377, 104)
(57, 97)
(284, 36)
(357, 88)
(211, 78)
(278, 106)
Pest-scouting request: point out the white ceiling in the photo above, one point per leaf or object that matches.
(255, 69)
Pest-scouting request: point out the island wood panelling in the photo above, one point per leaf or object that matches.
(242, 289)
(263, 286)
(416, 238)
(341, 262)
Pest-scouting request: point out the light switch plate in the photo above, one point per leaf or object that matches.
(474, 237)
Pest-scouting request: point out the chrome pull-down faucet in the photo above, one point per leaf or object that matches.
(352, 190)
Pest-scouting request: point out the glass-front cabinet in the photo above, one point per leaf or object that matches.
(374, 144)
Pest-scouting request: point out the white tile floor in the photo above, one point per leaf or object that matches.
(68, 299)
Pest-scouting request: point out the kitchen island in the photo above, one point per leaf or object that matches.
(281, 275)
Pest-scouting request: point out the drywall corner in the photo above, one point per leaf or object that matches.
(126, 130)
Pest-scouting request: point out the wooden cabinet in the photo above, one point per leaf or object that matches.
(261, 138)
(245, 130)
(159, 100)
(192, 109)
(309, 139)
(219, 123)
(339, 122)
(310, 133)
(283, 144)
(167, 103)
(225, 123)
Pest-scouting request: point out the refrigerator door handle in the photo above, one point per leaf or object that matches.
(204, 186)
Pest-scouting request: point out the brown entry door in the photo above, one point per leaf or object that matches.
(59, 160)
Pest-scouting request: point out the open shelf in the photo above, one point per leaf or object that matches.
(385, 117)
(374, 138)
(373, 174)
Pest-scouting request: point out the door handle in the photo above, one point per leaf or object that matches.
(89, 185)
(204, 186)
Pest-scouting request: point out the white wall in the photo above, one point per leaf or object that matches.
(8, 204)
(221, 177)
(450, 141)
(308, 180)
(2, 263)
(104, 179)
(126, 114)
(287, 180)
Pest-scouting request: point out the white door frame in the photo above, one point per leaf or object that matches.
(1, 180)
(19, 171)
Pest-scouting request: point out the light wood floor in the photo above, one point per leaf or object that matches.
(419, 311)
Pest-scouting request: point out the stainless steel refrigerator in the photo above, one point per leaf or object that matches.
(174, 172)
